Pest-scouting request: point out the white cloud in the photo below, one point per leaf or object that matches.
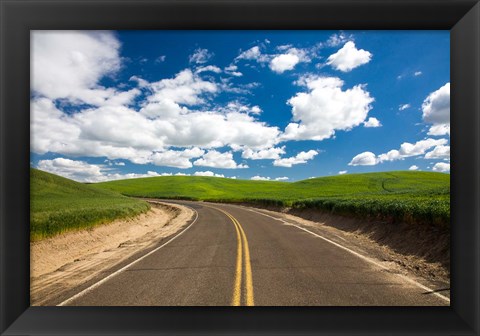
(74, 170)
(216, 159)
(440, 129)
(301, 157)
(284, 62)
(436, 107)
(364, 159)
(260, 178)
(406, 150)
(283, 178)
(413, 167)
(200, 56)
(254, 54)
(336, 39)
(288, 61)
(441, 167)
(326, 108)
(207, 173)
(208, 68)
(420, 147)
(270, 153)
(417, 73)
(185, 88)
(372, 122)
(349, 57)
(177, 159)
(403, 107)
(436, 111)
(70, 64)
(342, 172)
(439, 152)
(232, 69)
(81, 171)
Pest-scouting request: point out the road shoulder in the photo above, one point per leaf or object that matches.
(66, 261)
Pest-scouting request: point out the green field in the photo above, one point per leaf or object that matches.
(58, 204)
(416, 197)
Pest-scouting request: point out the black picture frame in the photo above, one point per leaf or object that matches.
(18, 17)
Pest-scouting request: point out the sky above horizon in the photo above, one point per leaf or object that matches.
(260, 105)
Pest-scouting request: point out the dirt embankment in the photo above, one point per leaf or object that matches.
(430, 243)
(63, 262)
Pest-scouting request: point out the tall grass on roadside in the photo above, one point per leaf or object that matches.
(58, 205)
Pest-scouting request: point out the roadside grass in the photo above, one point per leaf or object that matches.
(58, 205)
(412, 197)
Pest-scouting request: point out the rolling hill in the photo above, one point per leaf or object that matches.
(58, 205)
(394, 196)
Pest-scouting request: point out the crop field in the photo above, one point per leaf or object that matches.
(413, 197)
(58, 205)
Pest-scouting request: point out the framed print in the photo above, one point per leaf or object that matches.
(290, 156)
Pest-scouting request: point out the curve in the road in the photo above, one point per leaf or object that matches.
(213, 263)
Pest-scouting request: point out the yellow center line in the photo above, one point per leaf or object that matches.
(237, 288)
(248, 269)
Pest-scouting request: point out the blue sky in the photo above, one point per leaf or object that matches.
(278, 105)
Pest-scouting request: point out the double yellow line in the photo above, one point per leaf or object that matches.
(243, 256)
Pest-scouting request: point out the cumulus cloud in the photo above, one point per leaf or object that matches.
(442, 167)
(217, 159)
(372, 122)
(260, 178)
(288, 60)
(70, 64)
(200, 56)
(301, 157)
(173, 113)
(177, 159)
(413, 167)
(440, 129)
(364, 159)
(439, 152)
(326, 108)
(403, 107)
(349, 57)
(282, 178)
(406, 150)
(207, 173)
(436, 111)
(342, 172)
(270, 153)
(82, 171)
(417, 73)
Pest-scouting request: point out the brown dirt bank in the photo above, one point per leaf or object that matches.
(63, 262)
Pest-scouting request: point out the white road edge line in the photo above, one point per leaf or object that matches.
(370, 260)
(95, 285)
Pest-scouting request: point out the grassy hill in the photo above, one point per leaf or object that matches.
(393, 196)
(58, 204)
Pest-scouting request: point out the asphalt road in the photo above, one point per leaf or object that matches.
(231, 255)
